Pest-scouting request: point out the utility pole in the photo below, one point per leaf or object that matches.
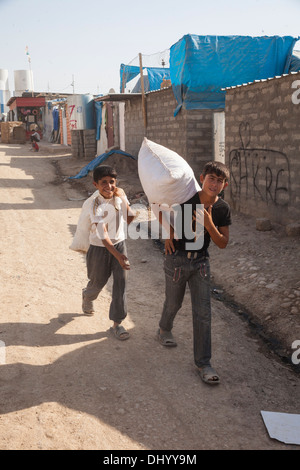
(30, 71)
(143, 91)
(73, 84)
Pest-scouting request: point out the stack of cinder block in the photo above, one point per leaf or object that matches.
(83, 143)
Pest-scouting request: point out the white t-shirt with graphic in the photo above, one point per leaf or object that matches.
(111, 213)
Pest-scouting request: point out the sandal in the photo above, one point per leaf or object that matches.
(87, 306)
(166, 339)
(120, 332)
(209, 375)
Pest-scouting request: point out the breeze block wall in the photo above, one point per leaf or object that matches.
(83, 143)
(262, 134)
(190, 133)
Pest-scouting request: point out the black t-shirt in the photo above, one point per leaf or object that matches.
(221, 216)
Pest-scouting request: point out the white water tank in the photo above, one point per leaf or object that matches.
(4, 79)
(4, 92)
(23, 81)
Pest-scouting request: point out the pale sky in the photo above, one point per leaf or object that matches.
(89, 39)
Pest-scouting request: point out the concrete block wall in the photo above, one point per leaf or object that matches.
(89, 144)
(189, 133)
(263, 148)
(134, 126)
(199, 138)
(84, 144)
(162, 126)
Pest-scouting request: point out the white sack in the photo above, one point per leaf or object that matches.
(165, 176)
(81, 240)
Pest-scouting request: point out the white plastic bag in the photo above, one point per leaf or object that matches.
(81, 240)
(165, 176)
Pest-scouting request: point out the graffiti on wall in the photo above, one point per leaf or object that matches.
(261, 174)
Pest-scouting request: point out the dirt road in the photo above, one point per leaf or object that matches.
(66, 383)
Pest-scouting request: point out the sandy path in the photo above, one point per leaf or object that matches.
(68, 384)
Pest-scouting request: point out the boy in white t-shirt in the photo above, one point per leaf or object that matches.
(107, 254)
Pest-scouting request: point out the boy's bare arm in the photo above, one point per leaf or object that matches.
(130, 215)
(220, 235)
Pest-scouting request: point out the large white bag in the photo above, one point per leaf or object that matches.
(165, 176)
(81, 240)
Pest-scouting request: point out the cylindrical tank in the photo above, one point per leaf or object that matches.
(4, 79)
(23, 81)
(4, 92)
(81, 111)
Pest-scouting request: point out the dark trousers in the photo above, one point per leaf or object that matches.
(101, 264)
(180, 271)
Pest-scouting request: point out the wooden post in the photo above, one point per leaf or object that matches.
(143, 91)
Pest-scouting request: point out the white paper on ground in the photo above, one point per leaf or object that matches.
(284, 427)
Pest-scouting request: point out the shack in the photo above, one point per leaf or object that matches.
(27, 110)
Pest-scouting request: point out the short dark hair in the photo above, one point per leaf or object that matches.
(218, 168)
(102, 171)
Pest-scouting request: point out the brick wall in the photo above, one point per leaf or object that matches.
(262, 129)
(189, 133)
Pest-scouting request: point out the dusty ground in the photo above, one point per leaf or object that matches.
(66, 383)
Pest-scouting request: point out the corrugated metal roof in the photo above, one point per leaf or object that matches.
(260, 81)
(125, 96)
(117, 97)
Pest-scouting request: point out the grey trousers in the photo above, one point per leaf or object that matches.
(101, 264)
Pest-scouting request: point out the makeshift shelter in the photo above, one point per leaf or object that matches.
(27, 110)
(200, 66)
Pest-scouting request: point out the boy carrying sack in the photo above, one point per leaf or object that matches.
(187, 263)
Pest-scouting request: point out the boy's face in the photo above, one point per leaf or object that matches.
(106, 186)
(213, 184)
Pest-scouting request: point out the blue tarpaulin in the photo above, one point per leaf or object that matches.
(295, 64)
(55, 115)
(155, 75)
(1, 102)
(97, 161)
(200, 66)
(98, 110)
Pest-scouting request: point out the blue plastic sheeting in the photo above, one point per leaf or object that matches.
(98, 110)
(97, 161)
(55, 115)
(86, 103)
(295, 64)
(155, 75)
(127, 73)
(202, 65)
(1, 102)
(52, 103)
